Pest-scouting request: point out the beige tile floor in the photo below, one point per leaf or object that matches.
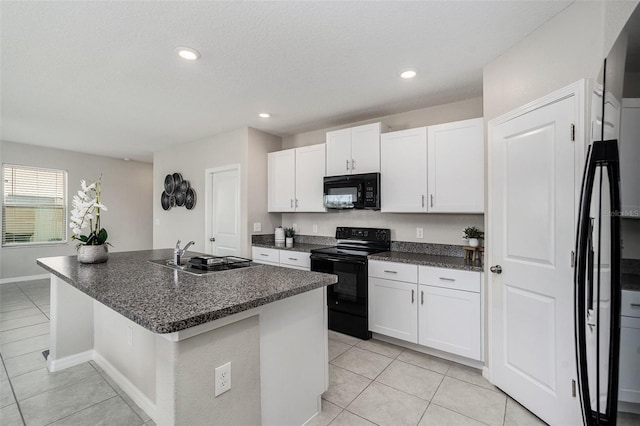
(371, 382)
(29, 394)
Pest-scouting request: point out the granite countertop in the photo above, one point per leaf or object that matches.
(296, 246)
(449, 262)
(164, 300)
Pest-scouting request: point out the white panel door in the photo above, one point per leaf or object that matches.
(456, 167)
(449, 320)
(403, 171)
(310, 167)
(393, 309)
(532, 218)
(224, 239)
(282, 181)
(365, 148)
(339, 152)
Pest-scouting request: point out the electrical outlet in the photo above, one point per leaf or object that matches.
(419, 233)
(223, 379)
(315, 229)
(129, 336)
(257, 227)
(295, 227)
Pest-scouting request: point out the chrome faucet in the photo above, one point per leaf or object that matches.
(178, 252)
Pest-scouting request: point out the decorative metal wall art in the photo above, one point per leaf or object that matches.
(177, 192)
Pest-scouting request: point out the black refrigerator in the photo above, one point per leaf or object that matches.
(597, 285)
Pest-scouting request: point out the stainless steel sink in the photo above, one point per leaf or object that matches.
(221, 264)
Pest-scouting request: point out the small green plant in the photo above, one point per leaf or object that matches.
(472, 232)
(289, 232)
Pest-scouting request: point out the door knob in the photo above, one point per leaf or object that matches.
(497, 269)
(212, 239)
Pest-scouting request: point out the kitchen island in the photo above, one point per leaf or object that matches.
(160, 334)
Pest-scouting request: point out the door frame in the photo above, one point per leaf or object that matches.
(208, 209)
(579, 89)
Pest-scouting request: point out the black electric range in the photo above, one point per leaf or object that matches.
(348, 299)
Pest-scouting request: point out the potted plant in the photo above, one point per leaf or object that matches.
(288, 234)
(473, 235)
(87, 207)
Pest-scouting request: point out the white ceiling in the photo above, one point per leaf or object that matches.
(103, 77)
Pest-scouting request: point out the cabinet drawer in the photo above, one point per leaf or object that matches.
(295, 258)
(630, 303)
(261, 254)
(393, 271)
(450, 278)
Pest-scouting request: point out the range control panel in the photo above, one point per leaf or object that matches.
(363, 234)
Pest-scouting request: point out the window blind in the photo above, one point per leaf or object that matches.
(34, 208)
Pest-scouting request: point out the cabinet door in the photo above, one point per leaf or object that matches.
(393, 309)
(450, 321)
(310, 166)
(281, 181)
(339, 152)
(456, 167)
(403, 171)
(365, 149)
(630, 157)
(629, 386)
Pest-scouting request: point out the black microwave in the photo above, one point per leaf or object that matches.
(352, 191)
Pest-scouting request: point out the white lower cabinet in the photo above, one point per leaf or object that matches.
(434, 307)
(285, 258)
(629, 386)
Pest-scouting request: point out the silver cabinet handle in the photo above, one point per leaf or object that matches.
(291, 202)
(431, 199)
(422, 200)
(293, 258)
(353, 164)
(413, 296)
(447, 279)
(347, 164)
(262, 254)
(497, 269)
(296, 202)
(635, 305)
(390, 272)
(422, 297)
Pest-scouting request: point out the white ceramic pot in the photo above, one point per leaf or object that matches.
(474, 242)
(93, 254)
(289, 242)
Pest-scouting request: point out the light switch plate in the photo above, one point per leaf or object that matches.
(257, 227)
(419, 233)
(315, 229)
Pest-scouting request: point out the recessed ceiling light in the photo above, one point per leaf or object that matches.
(188, 53)
(264, 115)
(408, 74)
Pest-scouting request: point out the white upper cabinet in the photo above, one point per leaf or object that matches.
(295, 181)
(355, 150)
(455, 156)
(310, 165)
(630, 157)
(281, 181)
(403, 171)
(435, 169)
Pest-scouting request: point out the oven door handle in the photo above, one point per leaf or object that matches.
(342, 260)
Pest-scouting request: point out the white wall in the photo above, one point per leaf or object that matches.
(126, 190)
(438, 228)
(247, 147)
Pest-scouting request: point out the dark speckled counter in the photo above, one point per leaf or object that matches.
(449, 262)
(163, 300)
(296, 247)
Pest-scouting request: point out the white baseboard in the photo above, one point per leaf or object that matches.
(486, 373)
(60, 364)
(24, 278)
(125, 384)
(628, 407)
